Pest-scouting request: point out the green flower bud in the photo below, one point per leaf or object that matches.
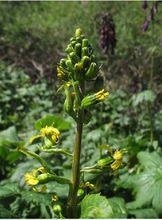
(72, 39)
(78, 49)
(92, 71)
(72, 44)
(84, 51)
(104, 162)
(74, 57)
(80, 192)
(79, 40)
(68, 104)
(85, 42)
(69, 49)
(63, 63)
(78, 32)
(85, 61)
(78, 68)
(57, 208)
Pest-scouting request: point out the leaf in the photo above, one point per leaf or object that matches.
(8, 137)
(37, 198)
(144, 96)
(5, 213)
(149, 160)
(9, 190)
(148, 183)
(55, 120)
(96, 206)
(118, 207)
(144, 213)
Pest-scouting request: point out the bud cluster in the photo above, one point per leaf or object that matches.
(79, 66)
(80, 63)
(107, 34)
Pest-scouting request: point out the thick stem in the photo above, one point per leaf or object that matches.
(72, 203)
(72, 199)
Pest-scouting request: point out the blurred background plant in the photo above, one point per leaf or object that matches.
(32, 38)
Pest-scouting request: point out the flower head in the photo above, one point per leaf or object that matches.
(117, 156)
(101, 95)
(49, 132)
(31, 179)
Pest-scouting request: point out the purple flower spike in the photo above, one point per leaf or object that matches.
(144, 5)
(145, 26)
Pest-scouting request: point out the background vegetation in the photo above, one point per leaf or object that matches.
(33, 36)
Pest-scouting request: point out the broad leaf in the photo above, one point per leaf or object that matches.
(118, 207)
(55, 120)
(144, 213)
(96, 206)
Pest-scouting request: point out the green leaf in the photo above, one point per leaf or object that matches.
(8, 137)
(144, 96)
(55, 120)
(144, 213)
(37, 198)
(118, 207)
(96, 206)
(149, 160)
(5, 213)
(8, 190)
(148, 183)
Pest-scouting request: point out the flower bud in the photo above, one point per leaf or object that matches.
(90, 100)
(104, 162)
(92, 71)
(84, 51)
(85, 61)
(80, 192)
(57, 208)
(74, 57)
(69, 49)
(63, 63)
(85, 42)
(78, 49)
(78, 32)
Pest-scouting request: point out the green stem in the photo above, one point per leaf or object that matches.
(72, 199)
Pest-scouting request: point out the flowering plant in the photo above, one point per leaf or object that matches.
(75, 71)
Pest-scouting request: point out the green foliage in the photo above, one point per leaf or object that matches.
(52, 120)
(96, 206)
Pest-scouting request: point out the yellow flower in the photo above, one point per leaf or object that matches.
(49, 132)
(31, 179)
(101, 95)
(54, 198)
(118, 160)
(60, 73)
(116, 164)
(117, 155)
